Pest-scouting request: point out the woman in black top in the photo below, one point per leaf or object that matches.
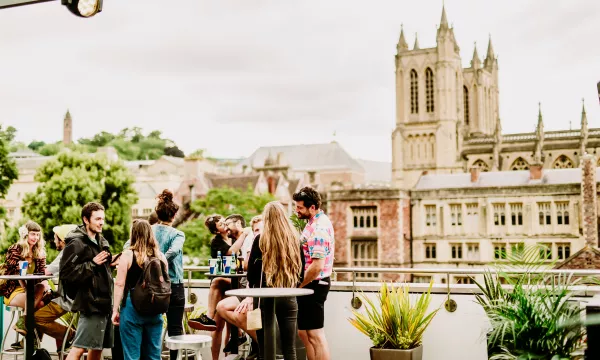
(275, 261)
(140, 334)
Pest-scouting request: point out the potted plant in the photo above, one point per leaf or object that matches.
(394, 323)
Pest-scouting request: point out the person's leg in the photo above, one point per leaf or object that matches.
(216, 294)
(40, 290)
(286, 310)
(217, 337)
(94, 354)
(226, 310)
(310, 351)
(131, 327)
(151, 345)
(318, 342)
(175, 314)
(75, 353)
(45, 320)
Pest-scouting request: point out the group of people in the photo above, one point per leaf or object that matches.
(273, 252)
(274, 255)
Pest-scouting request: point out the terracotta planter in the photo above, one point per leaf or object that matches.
(393, 354)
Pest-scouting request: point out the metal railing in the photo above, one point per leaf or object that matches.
(450, 304)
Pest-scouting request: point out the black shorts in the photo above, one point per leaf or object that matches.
(311, 308)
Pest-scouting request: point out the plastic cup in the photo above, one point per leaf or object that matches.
(23, 266)
(213, 265)
(227, 265)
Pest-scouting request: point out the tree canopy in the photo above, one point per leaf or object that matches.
(73, 179)
(8, 169)
(223, 201)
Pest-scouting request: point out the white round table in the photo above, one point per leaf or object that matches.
(270, 295)
(29, 318)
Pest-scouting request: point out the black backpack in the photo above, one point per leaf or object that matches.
(152, 293)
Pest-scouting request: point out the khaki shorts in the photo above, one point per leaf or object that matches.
(94, 332)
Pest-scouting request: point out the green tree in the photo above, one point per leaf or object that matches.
(73, 179)
(223, 201)
(8, 168)
(36, 145)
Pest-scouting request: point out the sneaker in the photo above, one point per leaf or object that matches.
(203, 323)
(20, 326)
(17, 346)
(230, 347)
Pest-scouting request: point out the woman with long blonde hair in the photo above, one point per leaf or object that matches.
(275, 261)
(30, 248)
(141, 332)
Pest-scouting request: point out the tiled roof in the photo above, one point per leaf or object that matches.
(240, 182)
(500, 179)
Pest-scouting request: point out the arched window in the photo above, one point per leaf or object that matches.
(414, 92)
(519, 164)
(362, 222)
(562, 162)
(481, 165)
(466, 104)
(374, 220)
(429, 90)
(355, 221)
(368, 221)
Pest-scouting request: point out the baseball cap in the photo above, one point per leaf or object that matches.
(62, 230)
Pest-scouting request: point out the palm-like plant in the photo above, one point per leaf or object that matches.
(534, 320)
(393, 321)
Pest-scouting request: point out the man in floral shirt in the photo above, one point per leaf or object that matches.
(318, 244)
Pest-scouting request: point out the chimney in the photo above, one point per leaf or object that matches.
(588, 200)
(475, 171)
(535, 171)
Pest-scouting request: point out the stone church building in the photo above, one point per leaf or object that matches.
(448, 118)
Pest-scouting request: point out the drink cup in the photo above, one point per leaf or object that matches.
(213, 264)
(23, 266)
(227, 264)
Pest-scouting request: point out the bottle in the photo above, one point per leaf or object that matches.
(219, 266)
(232, 267)
(240, 265)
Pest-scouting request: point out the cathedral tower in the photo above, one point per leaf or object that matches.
(68, 129)
(439, 104)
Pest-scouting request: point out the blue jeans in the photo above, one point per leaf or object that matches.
(140, 335)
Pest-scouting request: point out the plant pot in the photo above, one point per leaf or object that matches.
(396, 354)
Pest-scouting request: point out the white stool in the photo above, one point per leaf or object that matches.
(188, 342)
(15, 312)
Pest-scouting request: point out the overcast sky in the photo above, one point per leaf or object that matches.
(230, 76)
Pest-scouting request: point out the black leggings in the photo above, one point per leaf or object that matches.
(286, 313)
(175, 313)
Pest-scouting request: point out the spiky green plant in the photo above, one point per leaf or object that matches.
(533, 319)
(393, 321)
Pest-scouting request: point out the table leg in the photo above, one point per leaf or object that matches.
(29, 320)
(269, 327)
(235, 284)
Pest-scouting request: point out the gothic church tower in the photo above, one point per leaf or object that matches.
(68, 129)
(439, 104)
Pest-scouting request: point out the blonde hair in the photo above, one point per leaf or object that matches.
(39, 249)
(280, 248)
(143, 242)
(255, 220)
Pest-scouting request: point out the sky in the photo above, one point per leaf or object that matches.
(231, 76)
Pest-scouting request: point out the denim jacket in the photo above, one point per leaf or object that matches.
(170, 242)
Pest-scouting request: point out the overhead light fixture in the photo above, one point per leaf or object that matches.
(83, 8)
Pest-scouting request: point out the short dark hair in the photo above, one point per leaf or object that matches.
(88, 209)
(211, 223)
(309, 197)
(237, 217)
(166, 209)
(153, 218)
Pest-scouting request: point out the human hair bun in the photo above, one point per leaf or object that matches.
(166, 196)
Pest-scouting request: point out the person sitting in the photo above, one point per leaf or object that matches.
(30, 248)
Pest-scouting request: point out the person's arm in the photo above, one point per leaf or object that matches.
(122, 269)
(237, 245)
(313, 271)
(72, 268)
(54, 266)
(176, 246)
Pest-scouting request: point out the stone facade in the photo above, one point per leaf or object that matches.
(448, 118)
(372, 229)
(68, 129)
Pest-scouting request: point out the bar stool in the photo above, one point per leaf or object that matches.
(15, 312)
(188, 342)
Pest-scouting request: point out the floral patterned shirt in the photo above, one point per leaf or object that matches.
(318, 242)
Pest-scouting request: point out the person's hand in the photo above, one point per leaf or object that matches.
(100, 258)
(116, 317)
(246, 305)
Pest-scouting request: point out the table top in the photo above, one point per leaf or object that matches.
(27, 277)
(269, 292)
(225, 275)
(189, 342)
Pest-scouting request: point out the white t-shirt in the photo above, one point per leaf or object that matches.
(247, 246)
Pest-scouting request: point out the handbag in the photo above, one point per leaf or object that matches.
(41, 354)
(254, 317)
